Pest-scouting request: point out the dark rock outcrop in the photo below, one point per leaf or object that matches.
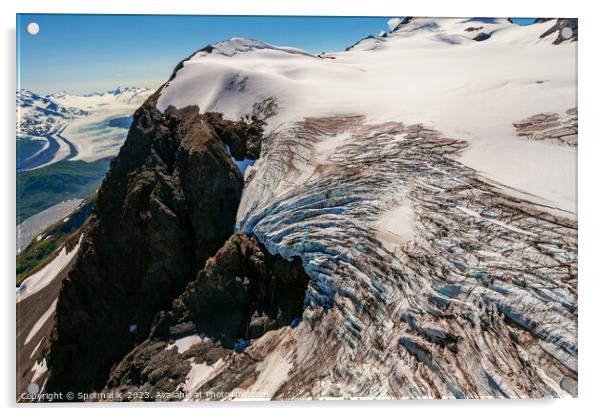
(560, 24)
(482, 36)
(244, 140)
(243, 292)
(167, 204)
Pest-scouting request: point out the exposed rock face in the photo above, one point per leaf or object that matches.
(242, 292)
(482, 36)
(243, 143)
(560, 24)
(551, 127)
(167, 204)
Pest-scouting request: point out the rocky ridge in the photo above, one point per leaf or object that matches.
(167, 204)
(242, 293)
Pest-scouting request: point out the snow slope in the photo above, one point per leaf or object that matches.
(429, 71)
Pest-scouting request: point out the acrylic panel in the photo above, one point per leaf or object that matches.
(291, 208)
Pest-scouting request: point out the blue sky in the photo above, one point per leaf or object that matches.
(85, 53)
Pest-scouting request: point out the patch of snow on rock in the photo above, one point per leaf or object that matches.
(40, 322)
(47, 274)
(183, 344)
(38, 369)
(201, 373)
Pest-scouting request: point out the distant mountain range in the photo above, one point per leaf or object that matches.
(40, 114)
(37, 114)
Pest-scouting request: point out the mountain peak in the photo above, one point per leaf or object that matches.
(121, 90)
(60, 94)
(237, 45)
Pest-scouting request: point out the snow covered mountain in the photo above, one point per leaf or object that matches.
(38, 114)
(62, 126)
(476, 90)
(404, 224)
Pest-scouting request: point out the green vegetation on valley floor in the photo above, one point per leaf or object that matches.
(42, 188)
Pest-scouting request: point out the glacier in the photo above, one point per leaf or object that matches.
(441, 245)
